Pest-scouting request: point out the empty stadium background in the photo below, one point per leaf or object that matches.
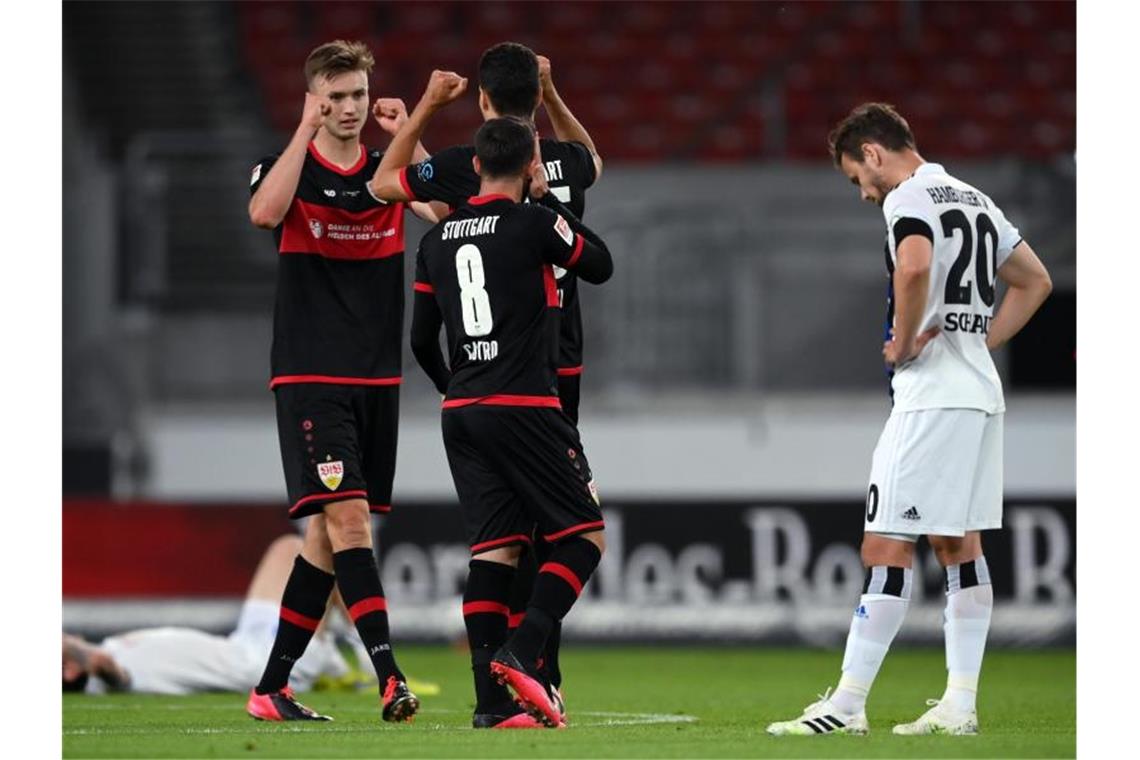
(733, 390)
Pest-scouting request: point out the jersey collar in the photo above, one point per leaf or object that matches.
(479, 200)
(924, 168)
(333, 167)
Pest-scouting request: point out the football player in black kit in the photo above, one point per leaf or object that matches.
(337, 331)
(487, 275)
(513, 81)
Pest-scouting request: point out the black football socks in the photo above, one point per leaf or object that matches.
(302, 607)
(542, 551)
(359, 581)
(485, 613)
(560, 581)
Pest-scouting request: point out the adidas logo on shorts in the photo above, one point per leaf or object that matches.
(911, 514)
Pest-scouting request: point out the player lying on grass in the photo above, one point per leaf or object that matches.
(172, 660)
(937, 469)
(513, 81)
(487, 274)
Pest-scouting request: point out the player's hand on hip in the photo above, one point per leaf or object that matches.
(444, 87)
(924, 338)
(390, 114)
(895, 354)
(317, 108)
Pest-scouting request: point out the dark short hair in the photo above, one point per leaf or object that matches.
(505, 147)
(337, 57)
(871, 122)
(508, 73)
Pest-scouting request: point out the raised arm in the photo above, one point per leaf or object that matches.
(1029, 285)
(391, 114)
(569, 243)
(443, 88)
(274, 194)
(566, 126)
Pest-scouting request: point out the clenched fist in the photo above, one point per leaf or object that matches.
(317, 108)
(390, 114)
(544, 76)
(444, 87)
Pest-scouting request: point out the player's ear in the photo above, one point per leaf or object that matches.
(871, 154)
(476, 165)
(484, 103)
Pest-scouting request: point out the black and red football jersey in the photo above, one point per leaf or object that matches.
(449, 176)
(487, 273)
(339, 314)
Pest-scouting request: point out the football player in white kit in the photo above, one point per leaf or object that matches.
(185, 660)
(937, 469)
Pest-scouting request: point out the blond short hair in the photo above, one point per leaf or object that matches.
(337, 57)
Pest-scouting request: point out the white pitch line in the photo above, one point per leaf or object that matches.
(605, 719)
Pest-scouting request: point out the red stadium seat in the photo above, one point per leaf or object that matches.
(682, 81)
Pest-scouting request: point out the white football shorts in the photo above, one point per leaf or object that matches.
(936, 472)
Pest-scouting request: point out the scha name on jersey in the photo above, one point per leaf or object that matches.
(947, 194)
(964, 321)
(480, 225)
(481, 350)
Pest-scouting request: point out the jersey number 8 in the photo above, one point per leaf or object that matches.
(477, 319)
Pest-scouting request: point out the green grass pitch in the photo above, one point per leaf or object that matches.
(622, 702)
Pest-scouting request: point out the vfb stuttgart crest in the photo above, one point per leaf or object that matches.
(316, 228)
(331, 474)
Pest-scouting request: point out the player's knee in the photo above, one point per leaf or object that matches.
(879, 550)
(954, 550)
(348, 524)
(285, 547)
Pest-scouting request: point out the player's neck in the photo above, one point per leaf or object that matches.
(343, 153)
(491, 113)
(908, 163)
(512, 188)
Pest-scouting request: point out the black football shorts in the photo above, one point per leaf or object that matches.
(569, 393)
(338, 442)
(519, 470)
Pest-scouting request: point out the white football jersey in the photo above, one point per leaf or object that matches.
(971, 240)
(188, 661)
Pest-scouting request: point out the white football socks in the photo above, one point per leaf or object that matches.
(874, 625)
(969, 605)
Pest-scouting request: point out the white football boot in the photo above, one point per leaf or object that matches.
(821, 718)
(941, 718)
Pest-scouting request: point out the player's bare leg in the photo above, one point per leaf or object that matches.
(559, 582)
(886, 594)
(273, 569)
(485, 614)
(349, 528)
(969, 605)
(304, 595)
